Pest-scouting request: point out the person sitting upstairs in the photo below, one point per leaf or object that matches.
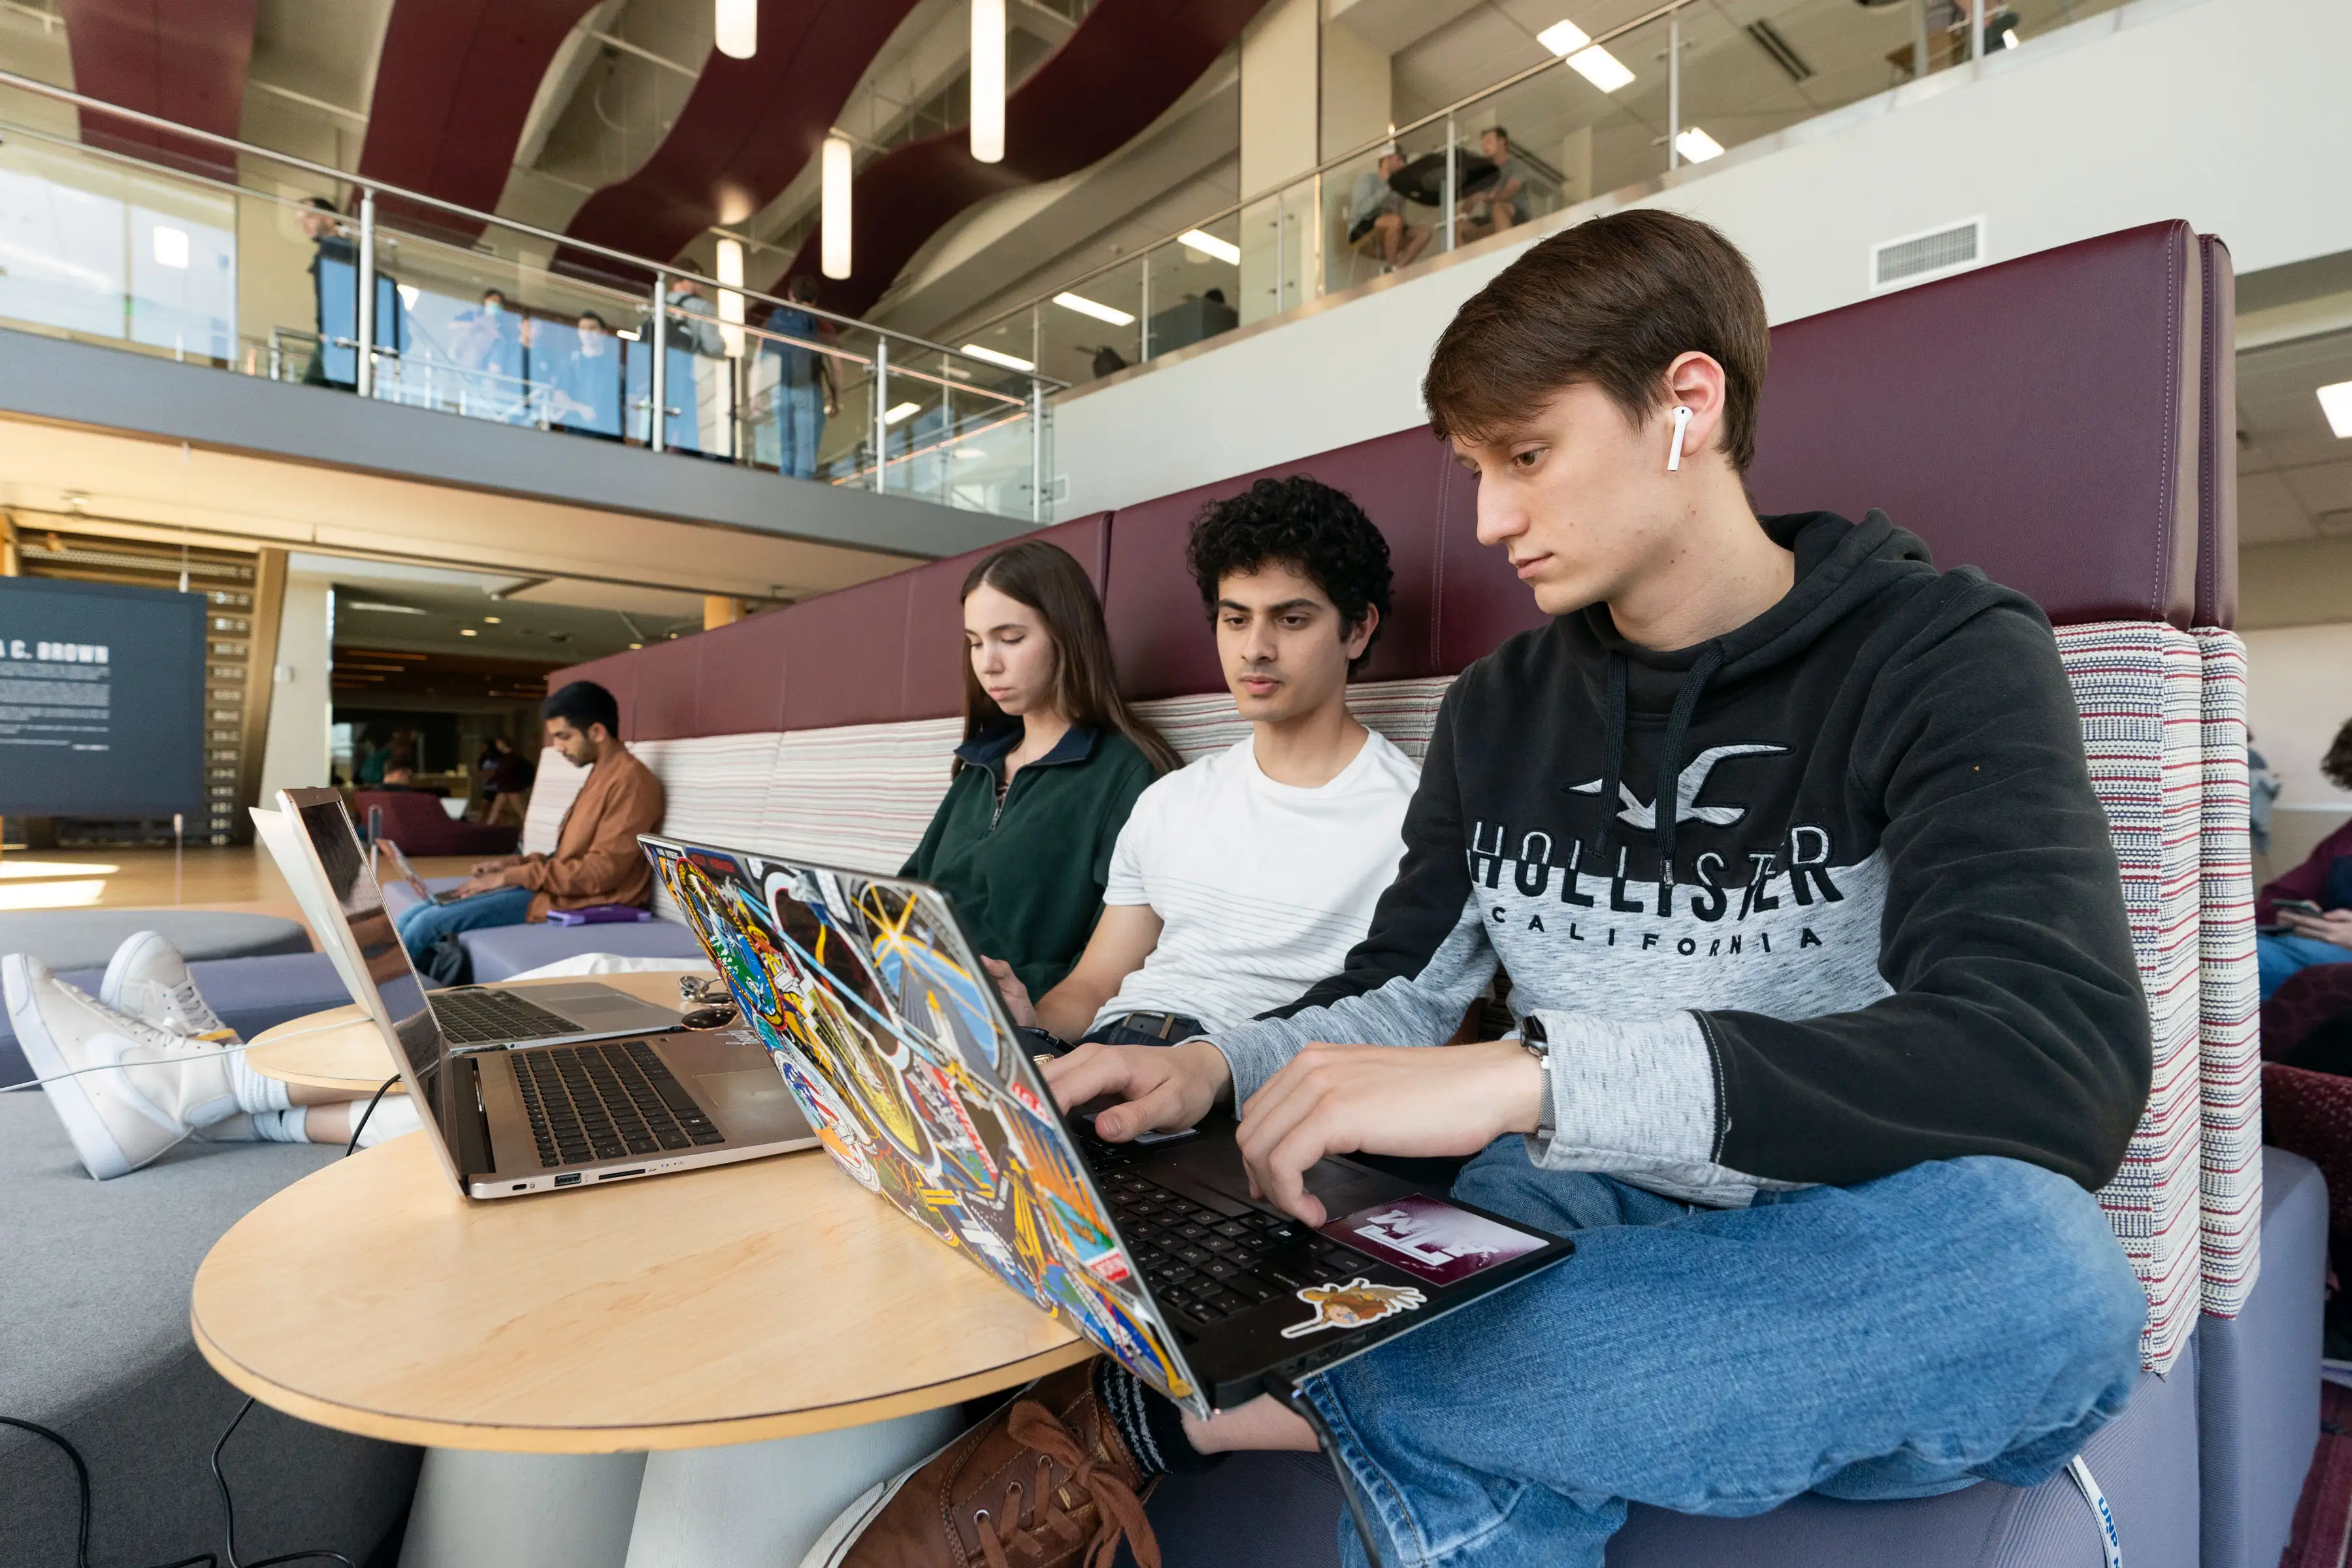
(597, 859)
(1240, 881)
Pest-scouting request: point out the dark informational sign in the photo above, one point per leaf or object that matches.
(102, 700)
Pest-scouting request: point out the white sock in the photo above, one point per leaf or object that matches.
(395, 1114)
(282, 1126)
(255, 1092)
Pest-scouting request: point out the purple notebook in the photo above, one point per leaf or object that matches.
(599, 915)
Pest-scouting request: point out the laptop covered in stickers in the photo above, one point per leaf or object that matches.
(868, 993)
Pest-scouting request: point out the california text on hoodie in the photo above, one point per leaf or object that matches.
(1878, 921)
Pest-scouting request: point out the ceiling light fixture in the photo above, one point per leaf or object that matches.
(2335, 401)
(988, 80)
(467, 632)
(489, 620)
(730, 303)
(381, 607)
(1094, 308)
(993, 356)
(1210, 246)
(1585, 58)
(2008, 38)
(834, 166)
(898, 412)
(1698, 146)
(736, 28)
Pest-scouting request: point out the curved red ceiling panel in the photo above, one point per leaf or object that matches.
(1121, 70)
(453, 87)
(750, 127)
(183, 60)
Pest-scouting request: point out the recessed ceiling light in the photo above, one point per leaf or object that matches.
(1602, 68)
(1563, 37)
(1698, 146)
(1209, 245)
(994, 357)
(381, 607)
(1094, 308)
(899, 411)
(2335, 401)
(467, 632)
(636, 645)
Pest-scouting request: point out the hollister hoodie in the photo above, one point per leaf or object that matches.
(1812, 902)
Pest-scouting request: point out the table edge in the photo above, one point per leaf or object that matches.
(425, 1432)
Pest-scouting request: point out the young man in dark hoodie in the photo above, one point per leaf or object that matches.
(1828, 1021)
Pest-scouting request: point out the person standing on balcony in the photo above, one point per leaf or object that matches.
(488, 342)
(1051, 762)
(691, 340)
(584, 396)
(806, 390)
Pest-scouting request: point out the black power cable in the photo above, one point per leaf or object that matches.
(81, 1488)
(228, 1508)
(361, 1125)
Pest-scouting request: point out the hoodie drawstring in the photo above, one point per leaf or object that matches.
(1670, 765)
(1612, 760)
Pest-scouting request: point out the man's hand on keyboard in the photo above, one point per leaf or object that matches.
(1160, 1088)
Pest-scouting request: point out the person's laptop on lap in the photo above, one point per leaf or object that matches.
(407, 873)
(901, 1055)
(487, 1017)
(542, 1116)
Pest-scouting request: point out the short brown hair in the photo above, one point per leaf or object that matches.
(1610, 302)
(2337, 763)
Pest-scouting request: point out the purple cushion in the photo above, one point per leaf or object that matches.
(499, 951)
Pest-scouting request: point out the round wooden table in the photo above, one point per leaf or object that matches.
(728, 1305)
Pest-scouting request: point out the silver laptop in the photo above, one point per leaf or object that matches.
(407, 873)
(547, 1115)
(486, 1017)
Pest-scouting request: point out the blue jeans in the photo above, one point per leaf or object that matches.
(800, 421)
(1960, 1319)
(422, 925)
(2279, 957)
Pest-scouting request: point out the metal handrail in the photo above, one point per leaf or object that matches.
(383, 188)
(1330, 166)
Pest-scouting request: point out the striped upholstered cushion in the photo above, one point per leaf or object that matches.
(1403, 710)
(859, 795)
(2227, 994)
(2139, 687)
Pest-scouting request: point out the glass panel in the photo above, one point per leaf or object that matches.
(1419, 183)
(699, 381)
(846, 445)
(1279, 242)
(1193, 287)
(1093, 329)
(793, 381)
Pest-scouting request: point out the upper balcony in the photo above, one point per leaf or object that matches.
(412, 304)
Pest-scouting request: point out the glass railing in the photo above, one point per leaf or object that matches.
(1679, 84)
(401, 298)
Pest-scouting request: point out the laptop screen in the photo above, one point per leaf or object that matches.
(884, 1024)
(399, 995)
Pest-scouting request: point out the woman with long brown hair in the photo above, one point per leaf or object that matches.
(1052, 761)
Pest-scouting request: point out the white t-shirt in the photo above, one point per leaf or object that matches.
(1262, 888)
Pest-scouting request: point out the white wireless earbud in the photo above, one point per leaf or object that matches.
(1675, 452)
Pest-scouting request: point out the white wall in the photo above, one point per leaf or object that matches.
(301, 699)
(2231, 113)
(2298, 694)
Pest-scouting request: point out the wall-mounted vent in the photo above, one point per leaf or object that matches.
(1915, 257)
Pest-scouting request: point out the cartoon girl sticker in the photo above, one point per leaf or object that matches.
(1352, 1306)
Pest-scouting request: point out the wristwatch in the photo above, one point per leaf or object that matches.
(1536, 1043)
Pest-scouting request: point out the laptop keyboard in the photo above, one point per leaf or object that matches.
(606, 1101)
(1203, 1265)
(482, 1017)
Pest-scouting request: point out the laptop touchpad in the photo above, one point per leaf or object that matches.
(746, 1089)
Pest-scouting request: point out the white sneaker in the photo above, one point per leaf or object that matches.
(148, 980)
(162, 1089)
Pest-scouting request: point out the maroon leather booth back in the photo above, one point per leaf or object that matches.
(2066, 421)
(2037, 418)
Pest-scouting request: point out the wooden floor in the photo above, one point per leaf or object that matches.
(205, 879)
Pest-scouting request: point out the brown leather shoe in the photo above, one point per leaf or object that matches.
(1043, 1483)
